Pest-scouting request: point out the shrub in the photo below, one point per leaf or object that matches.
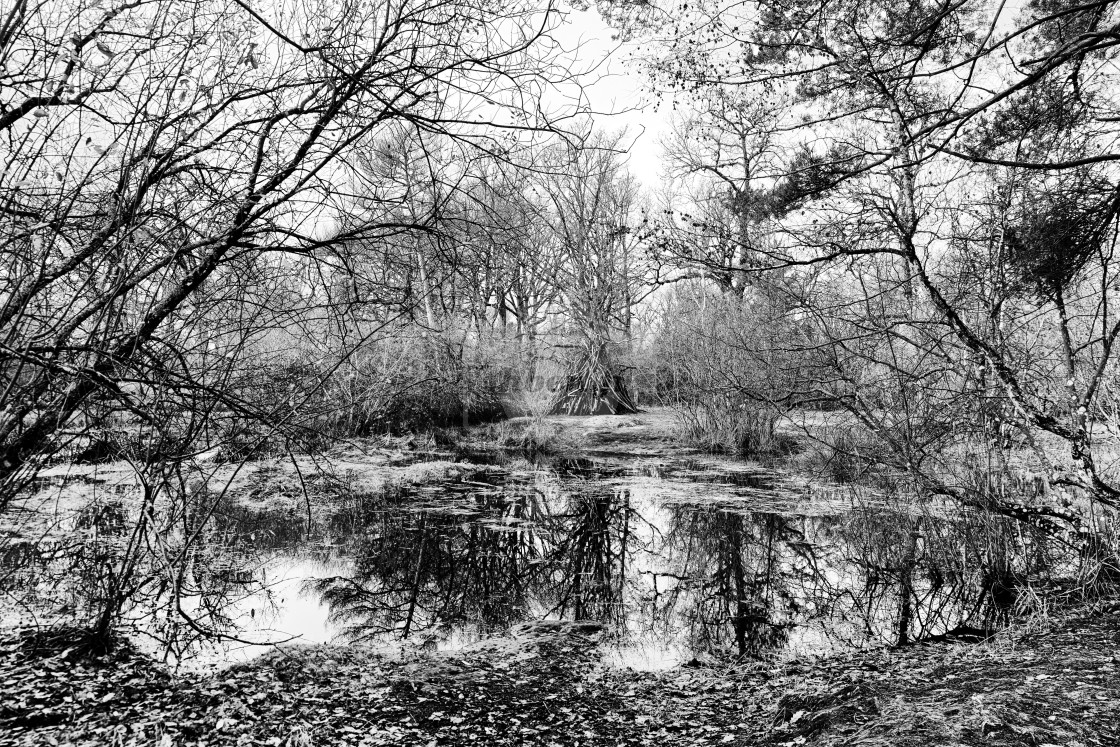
(404, 382)
(721, 360)
(722, 425)
(842, 457)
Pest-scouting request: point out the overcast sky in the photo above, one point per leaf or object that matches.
(618, 91)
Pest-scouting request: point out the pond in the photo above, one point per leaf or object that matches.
(664, 561)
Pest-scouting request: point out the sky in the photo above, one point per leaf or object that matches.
(617, 91)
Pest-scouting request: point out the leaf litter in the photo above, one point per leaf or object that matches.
(544, 685)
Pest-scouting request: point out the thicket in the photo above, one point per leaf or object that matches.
(410, 380)
(724, 363)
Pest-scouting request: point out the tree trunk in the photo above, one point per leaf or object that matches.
(906, 572)
(593, 387)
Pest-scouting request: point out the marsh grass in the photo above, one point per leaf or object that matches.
(841, 456)
(723, 426)
(528, 435)
(530, 428)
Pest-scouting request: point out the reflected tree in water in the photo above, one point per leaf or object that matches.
(489, 560)
(184, 587)
(427, 570)
(924, 575)
(588, 558)
(740, 577)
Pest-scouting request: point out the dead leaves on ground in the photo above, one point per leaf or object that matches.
(1060, 688)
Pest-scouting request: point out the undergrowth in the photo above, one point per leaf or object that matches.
(722, 425)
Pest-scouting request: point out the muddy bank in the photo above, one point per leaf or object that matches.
(650, 433)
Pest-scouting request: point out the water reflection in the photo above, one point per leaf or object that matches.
(712, 574)
(419, 569)
(735, 575)
(673, 560)
(176, 581)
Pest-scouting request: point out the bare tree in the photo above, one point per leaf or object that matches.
(158, 152)
(947, 211)
(723, 154)
(590, 203)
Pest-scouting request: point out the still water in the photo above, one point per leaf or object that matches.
(666, 561)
